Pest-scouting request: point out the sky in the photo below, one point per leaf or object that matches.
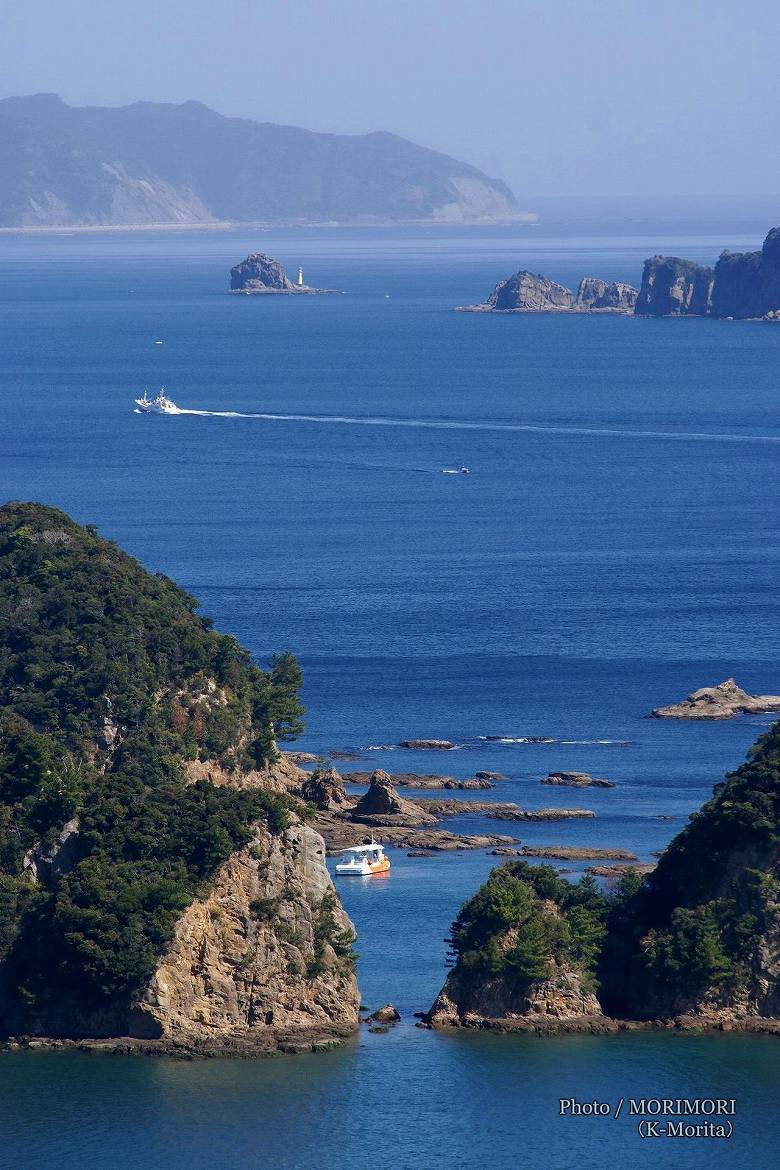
(561, 97)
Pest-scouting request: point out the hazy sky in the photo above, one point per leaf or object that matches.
(556, 97)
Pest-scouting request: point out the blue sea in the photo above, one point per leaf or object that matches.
(615, 545)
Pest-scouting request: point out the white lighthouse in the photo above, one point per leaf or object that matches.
(300, 276)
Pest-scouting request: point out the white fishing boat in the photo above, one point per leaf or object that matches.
(363, 861)
(162, 404)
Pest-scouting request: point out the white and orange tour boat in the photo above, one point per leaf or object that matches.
(363, 861)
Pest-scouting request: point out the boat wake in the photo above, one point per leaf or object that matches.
(480, 425)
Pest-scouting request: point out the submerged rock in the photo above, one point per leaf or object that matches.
(577, 780)
(578, 853)
(428, 745)
(720, 702)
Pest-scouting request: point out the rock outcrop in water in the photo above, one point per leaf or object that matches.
(742, 285)
(529, 292)
(525, 947)
(260, 274)
(695, 942)
(724, 701)
(156, 879)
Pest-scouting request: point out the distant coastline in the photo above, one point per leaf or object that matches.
(528, 219)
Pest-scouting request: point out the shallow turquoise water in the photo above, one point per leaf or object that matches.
(619, 550)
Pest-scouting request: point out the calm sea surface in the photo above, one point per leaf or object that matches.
(615, 545)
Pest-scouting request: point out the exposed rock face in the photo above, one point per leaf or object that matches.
(519, 963)
(559, 1000)
(259, 273)
(747, 284)
(672, 287)
(594, 293)
(241, 967)
(743, 284)
(325, 790)
(531, 293)
(382, 805)
(721, 702)
(577, 780)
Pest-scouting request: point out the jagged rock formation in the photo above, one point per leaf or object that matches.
(260, 274)
(381, 805)
(724, 701)
(325, 790)
(155, 163)
(742, 285)
(529, 292)
(594, 293)
(156, 880)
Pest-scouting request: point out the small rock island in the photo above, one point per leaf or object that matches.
(693, 944)
(724, 701)
(261, 275)
(529, 292)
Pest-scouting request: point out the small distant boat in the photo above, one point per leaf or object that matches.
(159, 405)
(456, 471)
(364, 861)
(158, 343)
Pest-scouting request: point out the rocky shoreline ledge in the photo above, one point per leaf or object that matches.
(343, 820)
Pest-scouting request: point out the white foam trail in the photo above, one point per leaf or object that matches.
(447, 425)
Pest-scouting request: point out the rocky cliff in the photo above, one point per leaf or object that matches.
(156, 877)
(264, 959)
(742, 285)
(672, 287)
(747, 284)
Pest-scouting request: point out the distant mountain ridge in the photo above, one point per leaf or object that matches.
(157, 163)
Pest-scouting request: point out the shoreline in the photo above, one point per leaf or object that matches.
(225, 225)
(260, 1047)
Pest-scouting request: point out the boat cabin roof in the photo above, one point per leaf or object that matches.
(363, 848)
